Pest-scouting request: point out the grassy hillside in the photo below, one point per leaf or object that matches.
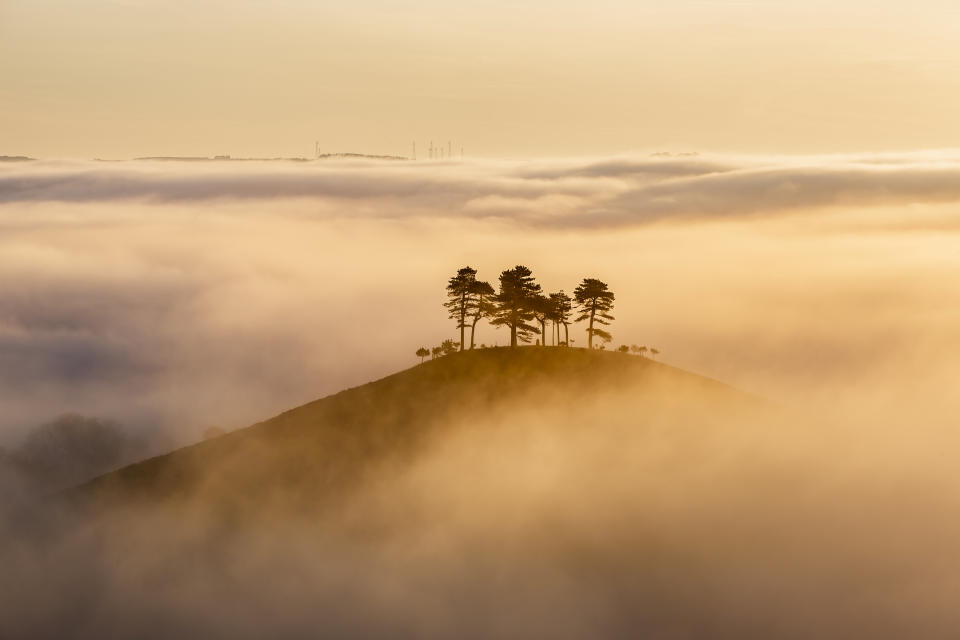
(311, 456)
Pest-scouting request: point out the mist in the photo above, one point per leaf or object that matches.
(175, 297)
(170, 299)
(662, 510)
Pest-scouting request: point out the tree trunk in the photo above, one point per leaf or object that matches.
(473, 330)
(513, 335)
(543, 333)
(463, 318)
(566, 334)
(593, 310)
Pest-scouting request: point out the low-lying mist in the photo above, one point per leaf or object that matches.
(657, 510)
(171, 299)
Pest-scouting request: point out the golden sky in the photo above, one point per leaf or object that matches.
(121, 78)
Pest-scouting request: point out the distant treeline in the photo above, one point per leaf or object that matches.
(518, 304)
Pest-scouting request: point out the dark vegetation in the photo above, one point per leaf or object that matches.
(70, 449)
(521, 306)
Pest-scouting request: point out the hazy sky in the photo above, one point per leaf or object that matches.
(119, 78)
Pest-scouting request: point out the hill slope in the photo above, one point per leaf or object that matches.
(536, 493)
(313, 455)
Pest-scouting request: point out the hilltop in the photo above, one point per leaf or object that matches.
(313, 455)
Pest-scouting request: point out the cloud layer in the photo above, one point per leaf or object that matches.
(188, 295)
(576, 193)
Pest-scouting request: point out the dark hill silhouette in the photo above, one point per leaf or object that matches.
(312, 456)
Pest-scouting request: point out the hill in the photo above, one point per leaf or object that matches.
(528, 493)
(312, 456)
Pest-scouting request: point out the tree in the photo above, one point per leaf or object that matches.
(562, 307)
(654, 353)
(422, 353)
(595, 301)
(623, 349)
(482, 307)
(517, 289)
(542, 310)
(643, 352)
(448, 346)
(436, 352)
(634, 348)
(460, 298)
(70, 449)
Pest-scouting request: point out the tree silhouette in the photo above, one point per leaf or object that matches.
(634, 348)
(517, 289)
(643, 351)
(448, 347)
(460, 298)
(623, 349)
(542, 310)
(422, 353)
(435, 353)
(482, 304)
(595, 301)
(654, 353)
(562, 306)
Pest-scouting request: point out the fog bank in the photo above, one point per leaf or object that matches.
(181, 296)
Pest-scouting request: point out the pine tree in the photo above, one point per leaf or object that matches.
(514, 302)
(449, 347)
(483, 306)
(541, 307)
(595, 301)
(460, 301)
(422, 353)
(562, 306)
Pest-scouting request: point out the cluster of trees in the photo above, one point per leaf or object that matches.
(64, 452)
(520, 304)
(641, 351)
(444, 349)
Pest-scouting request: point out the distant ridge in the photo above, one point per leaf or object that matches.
(362, 156)
(217, 159)
(324, 156)
(225, 158)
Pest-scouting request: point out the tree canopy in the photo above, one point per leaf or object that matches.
(514, 303)
(460, 298)
(483, 305)
(521, 305)
(595, 301)
(542, 310)
(562, 306)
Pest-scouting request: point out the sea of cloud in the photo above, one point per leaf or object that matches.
(164, 298)
(175, 296)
